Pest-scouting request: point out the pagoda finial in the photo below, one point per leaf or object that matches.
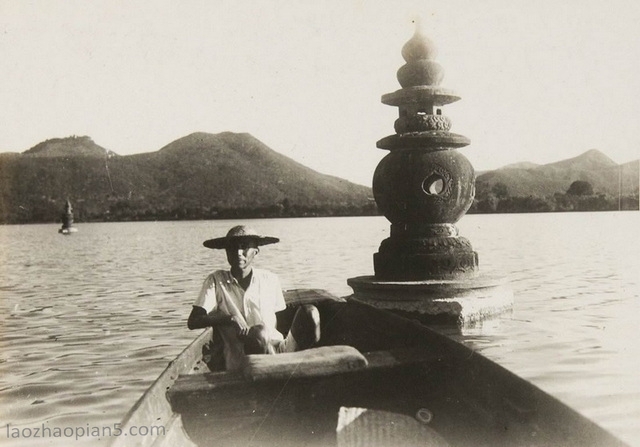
(419, 46)
(421, 69)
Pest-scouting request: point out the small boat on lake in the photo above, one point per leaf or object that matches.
(67, 220)
(375, 379)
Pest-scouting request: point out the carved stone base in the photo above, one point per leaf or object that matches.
(437, 266)
(462, 302)
(428, 258)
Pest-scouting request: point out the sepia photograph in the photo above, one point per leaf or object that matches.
(354, 223)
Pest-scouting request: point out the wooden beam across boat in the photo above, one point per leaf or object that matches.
(330, 365)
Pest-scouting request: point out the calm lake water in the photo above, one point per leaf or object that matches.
(87, 322)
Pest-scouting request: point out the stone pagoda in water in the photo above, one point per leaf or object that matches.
(423, 187)
(67, 219)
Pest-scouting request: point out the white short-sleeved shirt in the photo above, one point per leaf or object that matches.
(222, 293)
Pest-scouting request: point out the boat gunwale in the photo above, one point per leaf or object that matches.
(183, 363)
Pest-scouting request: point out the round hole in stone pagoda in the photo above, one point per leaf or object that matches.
(433, 185)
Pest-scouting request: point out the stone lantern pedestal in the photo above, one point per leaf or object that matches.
(425, 269)
(461, 302)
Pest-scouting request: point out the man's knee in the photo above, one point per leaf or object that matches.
(257, 340)
(306, 326)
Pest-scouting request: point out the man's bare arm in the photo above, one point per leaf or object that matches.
(199, 318)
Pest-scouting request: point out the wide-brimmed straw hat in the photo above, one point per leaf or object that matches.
(238, 233)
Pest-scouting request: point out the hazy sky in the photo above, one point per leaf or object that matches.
(540, 80)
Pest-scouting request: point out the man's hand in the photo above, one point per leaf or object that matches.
(241, 327)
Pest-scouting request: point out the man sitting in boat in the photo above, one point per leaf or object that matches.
(241, 304)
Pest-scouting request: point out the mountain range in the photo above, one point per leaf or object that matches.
(593, 166)
(232, 175)
(199, 176)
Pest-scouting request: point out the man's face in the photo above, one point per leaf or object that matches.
(240, 254)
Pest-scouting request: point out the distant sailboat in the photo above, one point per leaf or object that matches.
(67, 220)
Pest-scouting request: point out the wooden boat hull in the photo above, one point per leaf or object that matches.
(416, 387)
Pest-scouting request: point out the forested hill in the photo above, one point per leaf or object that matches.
(200, 176)
(588, 182)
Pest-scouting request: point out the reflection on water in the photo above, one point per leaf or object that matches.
(88, 321)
